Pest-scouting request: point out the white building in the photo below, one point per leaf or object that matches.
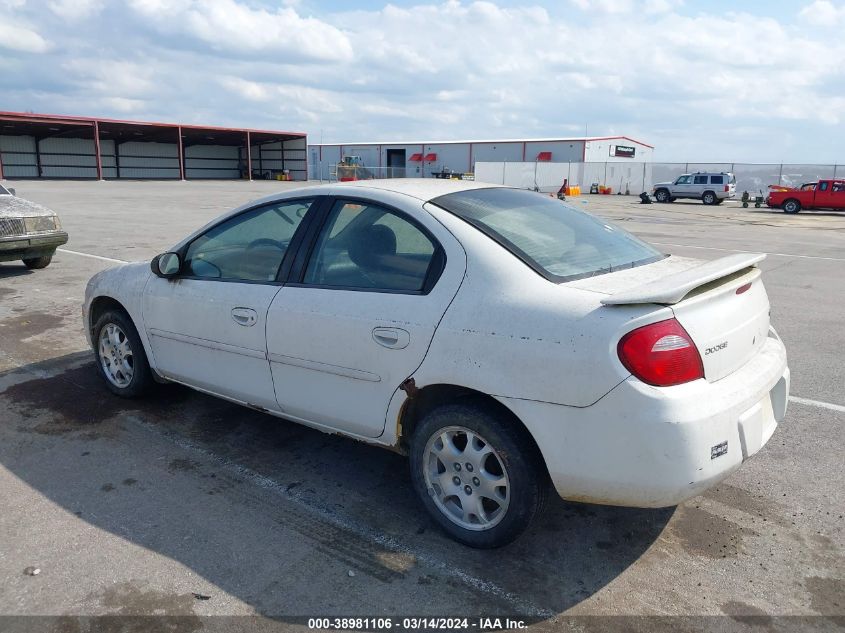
(425, 158)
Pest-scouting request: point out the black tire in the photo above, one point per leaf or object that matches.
(791, 206)
(36, 263)
(662, 195)
(708, 198)
(527, 478)
(142, 378)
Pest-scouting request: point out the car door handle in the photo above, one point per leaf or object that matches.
(391, 337)
(245, 316)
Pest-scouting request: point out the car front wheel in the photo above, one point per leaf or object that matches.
(121, 359)
(478, 474)
(35, 263)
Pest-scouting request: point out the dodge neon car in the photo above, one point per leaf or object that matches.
(499, 337)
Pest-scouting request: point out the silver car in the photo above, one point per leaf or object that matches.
(28, 232)
(710, 188)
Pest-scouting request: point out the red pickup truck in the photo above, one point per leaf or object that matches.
(824, 194)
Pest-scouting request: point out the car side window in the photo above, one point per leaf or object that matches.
(717, 180)
(683, 180)
(247, 247)
(366, 246)
(823, 186)
(700, 180)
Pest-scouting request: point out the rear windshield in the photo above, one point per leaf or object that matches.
(559, 242)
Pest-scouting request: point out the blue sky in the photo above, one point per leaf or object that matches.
(702, 81)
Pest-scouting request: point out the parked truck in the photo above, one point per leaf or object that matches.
(824, 194)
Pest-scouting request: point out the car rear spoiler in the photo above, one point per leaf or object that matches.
(672, 288)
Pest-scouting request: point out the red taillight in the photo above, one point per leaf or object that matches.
(727, 188)
(661, 354)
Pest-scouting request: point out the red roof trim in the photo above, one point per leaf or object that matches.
(615, 138)
(30, 117)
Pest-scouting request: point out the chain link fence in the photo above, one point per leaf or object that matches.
(620, 177)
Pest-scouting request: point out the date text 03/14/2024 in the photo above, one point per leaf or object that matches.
(414, 623)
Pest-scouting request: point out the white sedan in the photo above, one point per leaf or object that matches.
(499, 337)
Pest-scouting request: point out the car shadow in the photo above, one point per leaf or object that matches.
(352, 502)
(11, 269)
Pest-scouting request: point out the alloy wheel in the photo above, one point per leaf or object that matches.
(466, 478)
(116, 357)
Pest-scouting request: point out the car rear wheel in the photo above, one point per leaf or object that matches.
(35, 263)
(121, 359)
(479, 475)
(708, 198)
(662, 195)
(791, 206)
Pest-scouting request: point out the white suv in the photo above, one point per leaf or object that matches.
(710, 188)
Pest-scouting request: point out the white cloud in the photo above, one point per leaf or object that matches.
(657, 69)
(74, 10)
(123, 105)
(824, 13)
(18, 37)
(605, 6)
(227, 25)
(661, 6)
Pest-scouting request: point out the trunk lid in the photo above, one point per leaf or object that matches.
(722, 304)
(728, 328)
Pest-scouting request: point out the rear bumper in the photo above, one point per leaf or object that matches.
(644, 446)
(29, 246)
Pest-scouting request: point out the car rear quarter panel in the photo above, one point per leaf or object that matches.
(510, 332)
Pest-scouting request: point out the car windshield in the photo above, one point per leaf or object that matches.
(559, 242)
(4, 191)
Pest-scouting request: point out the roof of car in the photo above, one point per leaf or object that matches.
(421, 188)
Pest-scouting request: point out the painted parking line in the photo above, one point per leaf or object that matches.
(105, 259)
(818, 403)
(734, 250)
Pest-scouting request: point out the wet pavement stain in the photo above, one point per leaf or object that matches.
(704, 534)
(745, 613)
(759, 507)
(827, 596)
(32, 324)
(175, 612)
(182, 464)
(78, 401)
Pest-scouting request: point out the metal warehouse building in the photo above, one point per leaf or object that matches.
(51, 146)
(427, 158)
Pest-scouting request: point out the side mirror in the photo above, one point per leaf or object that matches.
(166, 265)
(11, 190)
